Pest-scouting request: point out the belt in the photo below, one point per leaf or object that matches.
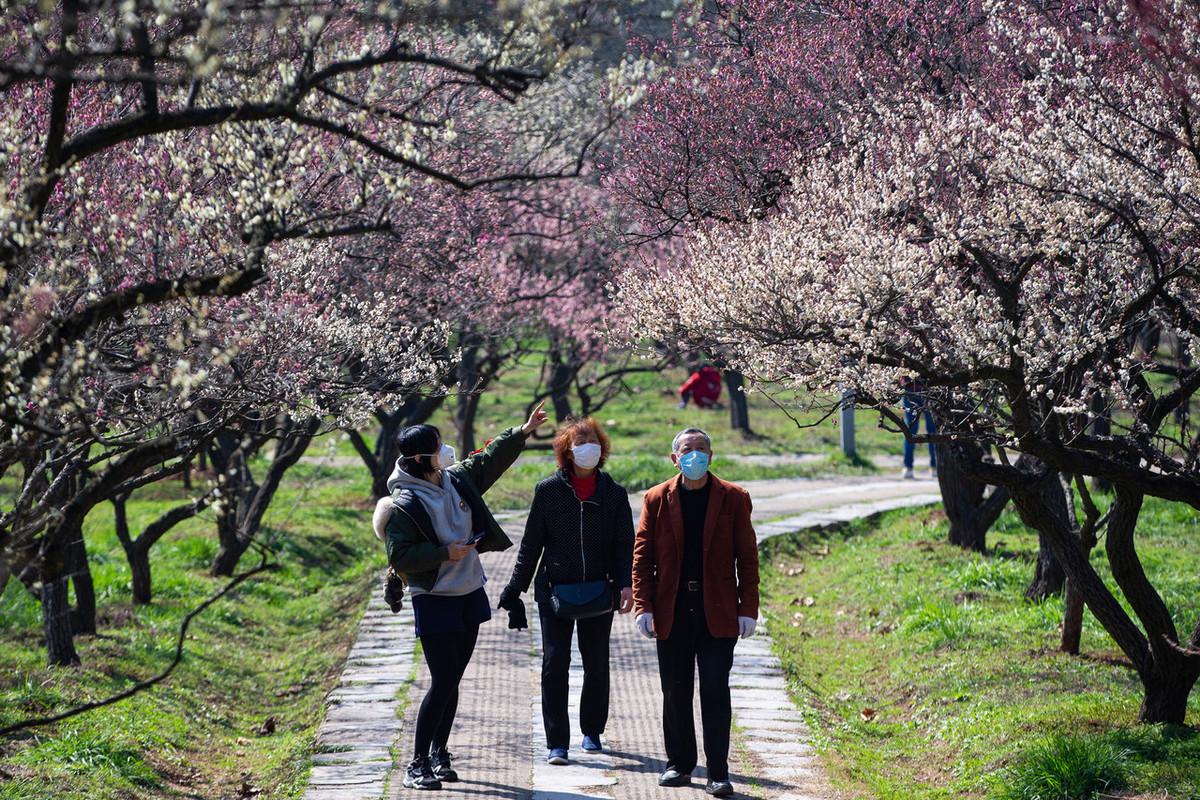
(692, 586)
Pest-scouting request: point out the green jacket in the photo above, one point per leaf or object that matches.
(412, 545)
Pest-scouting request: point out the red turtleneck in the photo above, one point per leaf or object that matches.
(584, 487)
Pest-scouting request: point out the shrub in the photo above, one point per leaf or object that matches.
(1067, 767)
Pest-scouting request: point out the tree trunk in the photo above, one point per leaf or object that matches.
(468, 400)
(970, 512)
(561, 376)
(1167, 674)
(139, 573)
(1048, 575)
(739, 409)
(229, 553)
(1072, 630)
(244, 506)
(1166, 695)
(1101, 426)
(56, 608)
(83, 615)
(464, 420)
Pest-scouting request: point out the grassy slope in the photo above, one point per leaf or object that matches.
(962, 674)
(272, 649)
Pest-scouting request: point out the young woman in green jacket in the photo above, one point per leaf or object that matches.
(438, 526)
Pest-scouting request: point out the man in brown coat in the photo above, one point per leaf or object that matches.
(695, 590)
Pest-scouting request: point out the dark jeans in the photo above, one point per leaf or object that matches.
(690, 645)
(447, 655)
(914, 409)
(556, 665)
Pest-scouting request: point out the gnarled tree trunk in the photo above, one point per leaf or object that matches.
(1167, 668)
(244, 500)
(970, 510)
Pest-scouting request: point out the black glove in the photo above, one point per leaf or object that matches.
(510, 601)
(516, 617)
(509, 596)
(393, 591)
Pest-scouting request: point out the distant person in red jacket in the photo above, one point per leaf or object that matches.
(703, 386)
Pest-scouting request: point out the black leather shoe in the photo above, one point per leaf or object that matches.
(673, 777)
(719, 788)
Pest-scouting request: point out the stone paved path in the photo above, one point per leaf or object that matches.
(498, 740)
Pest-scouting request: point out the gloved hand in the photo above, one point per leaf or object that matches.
(645, 624)
(510, 601)
(393, 591)
(746, 626)
(509, 596)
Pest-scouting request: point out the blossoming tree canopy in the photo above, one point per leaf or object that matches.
(178, 180)
(1006, 254)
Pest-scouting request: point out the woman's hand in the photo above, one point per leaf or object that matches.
(626, 604)
(536, 419)
(459, 551)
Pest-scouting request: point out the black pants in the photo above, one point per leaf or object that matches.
(447, 655)
(690, 645)
(556, 664)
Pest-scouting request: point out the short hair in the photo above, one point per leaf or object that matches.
(566, 434)
(418, 440)
(689, 432)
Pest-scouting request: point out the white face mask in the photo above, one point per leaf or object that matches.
(445, 456)
(586, 456)
(442, 458)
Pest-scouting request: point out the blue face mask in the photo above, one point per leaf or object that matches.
(693, 465)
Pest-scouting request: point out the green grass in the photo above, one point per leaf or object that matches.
(273, 648)
(970, 694)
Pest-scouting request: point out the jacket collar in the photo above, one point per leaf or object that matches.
(716, 497)
(564, 476)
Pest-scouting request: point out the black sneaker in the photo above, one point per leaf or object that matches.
(673, 777)
(419, 775)
(440, 759)
(719, 788)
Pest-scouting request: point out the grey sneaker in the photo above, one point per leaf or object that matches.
(419, 775)
(440, 762)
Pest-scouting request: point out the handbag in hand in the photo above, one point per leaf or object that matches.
(581, 600)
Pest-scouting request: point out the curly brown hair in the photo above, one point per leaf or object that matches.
(566, 436)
